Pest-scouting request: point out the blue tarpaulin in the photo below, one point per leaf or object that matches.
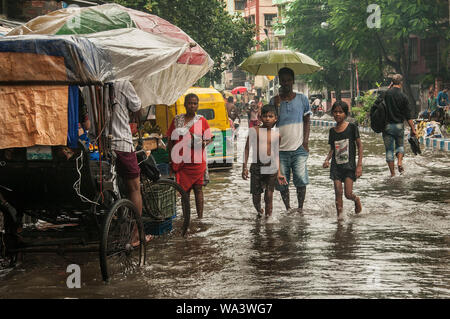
(72, 132)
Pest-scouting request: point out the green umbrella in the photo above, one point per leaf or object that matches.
(269, 62)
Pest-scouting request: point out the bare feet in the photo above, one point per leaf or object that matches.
(358, 206)
(136, 242)
(401, 169)
(260, 213)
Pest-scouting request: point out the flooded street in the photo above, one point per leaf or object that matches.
(398, 247)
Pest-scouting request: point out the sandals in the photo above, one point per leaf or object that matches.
(401, 169)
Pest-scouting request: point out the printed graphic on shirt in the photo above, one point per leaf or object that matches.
(341, 151)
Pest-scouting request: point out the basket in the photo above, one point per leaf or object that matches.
(156, 228)
(159, 200)
(150, 144)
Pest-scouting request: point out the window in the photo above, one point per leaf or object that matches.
(207, 113)
(239, 4)
(268, 19)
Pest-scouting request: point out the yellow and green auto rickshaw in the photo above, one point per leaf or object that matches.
(212, 107)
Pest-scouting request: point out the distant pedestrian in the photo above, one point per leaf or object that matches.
(344, 140)
(254, 114)
(264, 171)
(294, 124)
(431, 105)
(442, 105)
(442, 98)
(398, 111)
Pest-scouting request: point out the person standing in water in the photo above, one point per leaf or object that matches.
(294, 114)
(343, 140)
(265, 168)
(188, 136)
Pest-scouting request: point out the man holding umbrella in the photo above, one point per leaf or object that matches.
(293, 113)
(294, 125)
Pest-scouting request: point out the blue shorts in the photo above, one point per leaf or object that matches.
(393, 138)
(294, 161)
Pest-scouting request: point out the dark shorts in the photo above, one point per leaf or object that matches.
(341, 175)
(260, 182)
(126, 165)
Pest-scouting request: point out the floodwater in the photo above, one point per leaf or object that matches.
(398, 247)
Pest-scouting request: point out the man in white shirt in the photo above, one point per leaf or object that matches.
(294, 124)
(126, 100)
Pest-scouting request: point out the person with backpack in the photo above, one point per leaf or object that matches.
(398, 110)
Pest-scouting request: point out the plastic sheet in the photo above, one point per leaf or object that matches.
(31, 115)
(163, 86)
(45, 58)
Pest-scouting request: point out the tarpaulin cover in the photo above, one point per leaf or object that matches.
(72, 110)
(43, 58)
(33, 115)
(162, 87)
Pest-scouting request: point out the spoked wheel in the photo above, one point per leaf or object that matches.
(166, 207)
(122, 247)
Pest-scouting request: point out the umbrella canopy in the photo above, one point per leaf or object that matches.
(162, 87)
(239, 90)
(269, 62)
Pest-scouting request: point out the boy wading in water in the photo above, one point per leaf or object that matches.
(343, 140)
(265, 168)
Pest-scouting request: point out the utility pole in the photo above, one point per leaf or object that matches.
(266, 31)
(351, 78)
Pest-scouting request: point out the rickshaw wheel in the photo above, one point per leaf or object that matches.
(163, 200)
(120, 252)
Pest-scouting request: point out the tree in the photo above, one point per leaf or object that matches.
(227, 39)
(320, 43)
(385, 34)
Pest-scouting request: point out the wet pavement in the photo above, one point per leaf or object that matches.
(398, 247)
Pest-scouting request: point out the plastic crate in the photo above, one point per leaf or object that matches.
(152, 227)
(159, 199)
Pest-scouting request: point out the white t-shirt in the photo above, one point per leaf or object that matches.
(290, 121)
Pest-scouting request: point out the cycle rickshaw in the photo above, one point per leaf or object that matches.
(79, 194)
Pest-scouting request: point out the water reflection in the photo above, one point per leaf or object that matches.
(343, 243)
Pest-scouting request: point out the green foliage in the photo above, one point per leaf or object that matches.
(307, 36)
(227, 39)
(141, 5)
(387, 46)
(378, 51)
(361, 112)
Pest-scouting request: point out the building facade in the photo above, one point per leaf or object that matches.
(279, 26)
(263, 14)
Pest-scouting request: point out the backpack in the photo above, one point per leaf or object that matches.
(378, 115)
